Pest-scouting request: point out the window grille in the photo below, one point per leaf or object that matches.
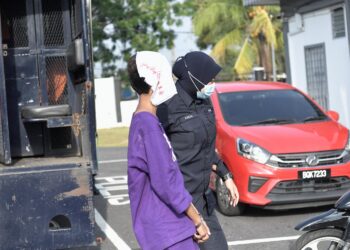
(316, 74)
(338, 22)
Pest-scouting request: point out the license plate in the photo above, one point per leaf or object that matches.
(314, 174)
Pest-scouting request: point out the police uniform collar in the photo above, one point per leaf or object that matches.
(184, 95)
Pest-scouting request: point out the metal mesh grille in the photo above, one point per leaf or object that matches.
(53, 23)
(14, 24)
(316, 74)
(57, 79)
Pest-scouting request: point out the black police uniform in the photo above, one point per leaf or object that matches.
(190, 126)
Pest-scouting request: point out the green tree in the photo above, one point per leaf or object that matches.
(220, 25)
(121, 27)
(263, 36)
(238, 36)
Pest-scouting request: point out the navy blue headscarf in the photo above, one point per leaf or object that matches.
(201, 66)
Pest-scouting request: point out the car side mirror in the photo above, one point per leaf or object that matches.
(333, 115)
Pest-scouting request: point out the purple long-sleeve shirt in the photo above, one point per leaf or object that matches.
(158, 198)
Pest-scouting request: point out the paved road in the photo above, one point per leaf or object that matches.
(256, 229)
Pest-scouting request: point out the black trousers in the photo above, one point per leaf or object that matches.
(217, 239)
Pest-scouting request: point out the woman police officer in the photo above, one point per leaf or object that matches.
(189, 122)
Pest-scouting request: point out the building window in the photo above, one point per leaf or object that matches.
(338, 22)
(316, 74)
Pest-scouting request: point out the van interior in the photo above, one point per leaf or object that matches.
(43, 82)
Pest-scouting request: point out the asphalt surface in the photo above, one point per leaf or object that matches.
(256, 229)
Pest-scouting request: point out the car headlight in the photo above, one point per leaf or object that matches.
(346, 153)
(252, 151)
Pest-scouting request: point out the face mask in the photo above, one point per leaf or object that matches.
(206, 91)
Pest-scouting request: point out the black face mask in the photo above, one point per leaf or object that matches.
(193, 70)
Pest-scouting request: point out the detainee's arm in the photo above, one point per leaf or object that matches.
(165, 176)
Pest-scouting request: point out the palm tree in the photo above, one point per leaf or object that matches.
(257, 47)
(235, 31)
(220, 24)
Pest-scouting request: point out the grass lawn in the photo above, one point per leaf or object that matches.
(114, 137)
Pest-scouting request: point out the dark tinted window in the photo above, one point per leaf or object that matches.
(268, 107)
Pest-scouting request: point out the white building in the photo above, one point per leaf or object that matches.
(106, 108)
(317, 50)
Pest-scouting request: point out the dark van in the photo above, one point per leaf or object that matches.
(47, 129)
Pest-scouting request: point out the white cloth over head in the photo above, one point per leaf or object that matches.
(156, 70)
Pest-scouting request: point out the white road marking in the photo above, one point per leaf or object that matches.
(114, 189)
(120, 244)
(113, 161)
(118, 179)
(264, 240)
(110, 233)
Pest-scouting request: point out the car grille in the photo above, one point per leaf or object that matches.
(306, 186)
(300, 160)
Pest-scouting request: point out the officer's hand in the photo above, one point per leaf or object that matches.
(234, 195)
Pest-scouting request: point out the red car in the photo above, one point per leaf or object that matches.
(283, 149)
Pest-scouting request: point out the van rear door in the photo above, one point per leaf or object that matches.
(5, 152)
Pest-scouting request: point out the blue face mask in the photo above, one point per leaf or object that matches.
(206, 91)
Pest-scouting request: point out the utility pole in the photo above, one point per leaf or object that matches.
(117, 91)
(273, 63)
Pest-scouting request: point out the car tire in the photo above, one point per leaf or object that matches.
(311, 238)
(222, 197)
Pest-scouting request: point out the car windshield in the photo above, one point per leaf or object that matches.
(268, 107)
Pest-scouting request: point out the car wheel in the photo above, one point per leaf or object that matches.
(319, 239)
(222, 196)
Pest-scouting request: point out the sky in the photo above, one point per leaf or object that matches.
(185, 42)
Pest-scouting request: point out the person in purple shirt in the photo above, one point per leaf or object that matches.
(162, 212)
